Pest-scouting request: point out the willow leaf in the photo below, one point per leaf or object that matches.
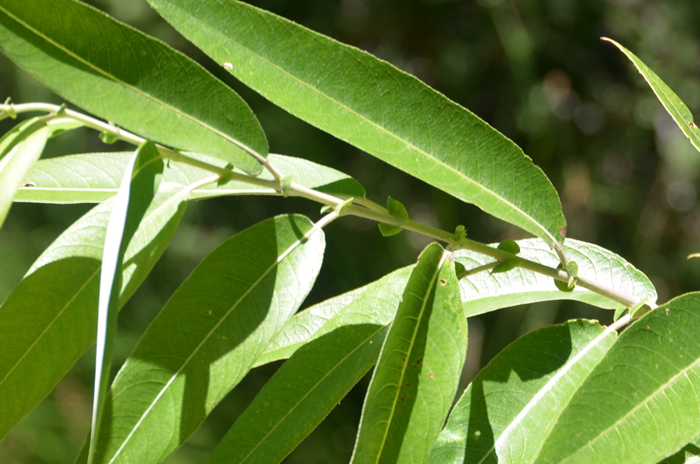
(418, 370)
(207, 337)
(308, 386)
(374, 106)
(130, 79)
(49, 320)
(640, 404)
(509, 408)
(94, 177)
(674, 105)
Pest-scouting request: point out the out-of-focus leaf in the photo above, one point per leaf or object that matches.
(208, 337)
(485, 292)
(130, 79)
(136, 193)
(308, 386)
(640, 404)
(418, 370)
(49, 320)
(673, 104)
(374, 106)
(510, 407)
(94, 177)
(19, 150)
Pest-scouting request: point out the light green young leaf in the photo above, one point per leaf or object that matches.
(208, 337)
(398, 210)
(673, 104)
(418, 370)
(94, 177)
(510, 407)
(19, 150)
(640, 404)
(131, 79)
(374, 106)
(49, 320)
(136, 192)
(308, 386)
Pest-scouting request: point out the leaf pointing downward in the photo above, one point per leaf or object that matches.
(374, 106)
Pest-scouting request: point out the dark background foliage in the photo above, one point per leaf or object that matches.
(536, 70)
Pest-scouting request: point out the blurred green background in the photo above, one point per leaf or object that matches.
(536, 70)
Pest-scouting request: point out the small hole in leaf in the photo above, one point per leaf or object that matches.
(443, 282)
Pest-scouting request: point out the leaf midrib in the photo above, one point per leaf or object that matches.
(374, 124)
(177, 111)
(174, 377)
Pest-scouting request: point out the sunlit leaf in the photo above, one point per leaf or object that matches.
(416, 377)
(674, 105)
(207, 338)
(374, 106)
(94, 177)
(510, 407)
(640, 404)
(130, 79)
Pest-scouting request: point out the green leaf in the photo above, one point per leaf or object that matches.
(689, 454)
(398, 210)
(208, 336)
(510, 246)
(509, 408)
(19, 150)
(673, 104)
(130, 79)
(136, 192)
(308, 386)
(419, 367)
(374, 106)
(94, 177)
(505, 266)
(483, 292)
(640, 404)
(49, 320)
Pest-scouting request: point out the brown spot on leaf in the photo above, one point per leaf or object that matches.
(408, 384)
(443, 282)
(562, 232)
(693, 125)
(29, 184)
(431, 376)
(667, 311)
(403, 398)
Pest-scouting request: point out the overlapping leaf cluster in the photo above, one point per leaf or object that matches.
(575, 392)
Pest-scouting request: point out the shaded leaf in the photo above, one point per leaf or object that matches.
(374, 106)
(689, 454)
(505, 266)
(418, 370)
(640, 404)
(510, 246)
(49, 320)
(398, 210)
(673, 104)
(207, 337)
(308, 386)
(94, 177)
(136, 192)
(130, 79)
(510, 407)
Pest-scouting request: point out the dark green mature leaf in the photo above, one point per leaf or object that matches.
(133, 80)
(208, 337)
(374, 106)
(640, 404)
(510, 407)
(136, 193)
(94, 177)
(485, 292)
(419, 366)
(49, 320)
(308, 386)
(19, 150)
(673, 104)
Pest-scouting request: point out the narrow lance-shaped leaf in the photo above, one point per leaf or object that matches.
(136, 192)
(484, 292)
(50, 319)
(130, 79)
(418, 370)
(374, 106)
(19, 150)
(207, 338)
(94, 177)
(640, 404)
(509, 408)
(308, 386)
(674, 105)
